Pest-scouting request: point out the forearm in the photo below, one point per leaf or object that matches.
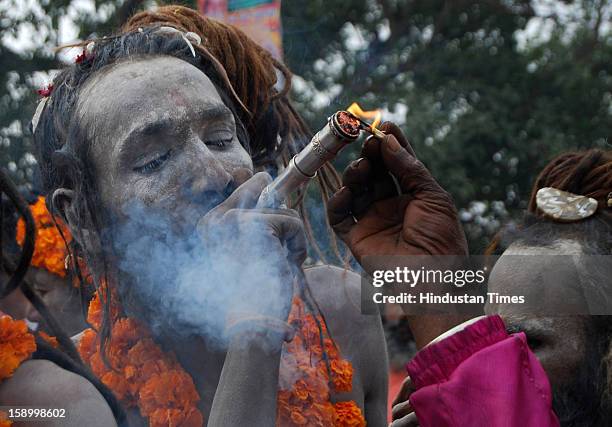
(247, 390)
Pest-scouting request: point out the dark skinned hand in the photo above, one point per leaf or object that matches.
(414, 217)
(390, 205)
(402, 413)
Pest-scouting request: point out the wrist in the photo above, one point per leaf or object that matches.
(248, 329)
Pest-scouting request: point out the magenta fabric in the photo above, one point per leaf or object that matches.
(481, 377)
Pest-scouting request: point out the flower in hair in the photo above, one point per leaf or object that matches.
(46, 91)
(81, 57)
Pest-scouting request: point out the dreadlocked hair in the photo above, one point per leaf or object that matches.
(586, 173)
(245, 76)
(252, 73)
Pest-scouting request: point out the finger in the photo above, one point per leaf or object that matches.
(391, 128)
(412, 175)
(366, 186)
(406, 390)
(357, 175)
(409, 420)
(371, 149)
(284, 224)
(371, 146)
(401, 410)
(339, 212)
(245, 196)
(362, 203)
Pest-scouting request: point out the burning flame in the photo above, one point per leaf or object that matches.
(374, 114)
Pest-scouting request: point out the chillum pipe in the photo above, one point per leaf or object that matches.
(341, 129)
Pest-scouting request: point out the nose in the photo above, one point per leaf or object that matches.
(208, 179)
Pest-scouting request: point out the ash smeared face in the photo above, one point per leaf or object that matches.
(164, 151)
(162, 138)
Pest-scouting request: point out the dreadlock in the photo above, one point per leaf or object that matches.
(587, 173)
(247, 79)
(246, 75)
(252, 74)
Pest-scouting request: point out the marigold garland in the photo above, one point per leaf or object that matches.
(4, 421)
(142, 375)
(16, 345)
(49, 249)
(304, 380)
(52, 341)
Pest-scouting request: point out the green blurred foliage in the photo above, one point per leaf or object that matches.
(28, 41)
(483, 111)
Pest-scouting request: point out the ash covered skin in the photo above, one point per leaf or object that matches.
(159, 174)
(568, 345)
(62, 299)
(177, 196)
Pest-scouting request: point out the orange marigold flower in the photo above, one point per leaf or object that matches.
(51, 340)
(342, 375)
(117, 384)
(306, 401)
(96, 308)
(16, 345)
(4, 421)
(143, 374)
(176, 418)
(49, 248)
(348, 414)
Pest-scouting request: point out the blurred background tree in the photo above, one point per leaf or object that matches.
(487, 91)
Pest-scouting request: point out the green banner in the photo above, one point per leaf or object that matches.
(233, 5)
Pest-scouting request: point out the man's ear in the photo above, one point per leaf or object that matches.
(63, 202)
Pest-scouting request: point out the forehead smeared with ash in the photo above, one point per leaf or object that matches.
(556, 247)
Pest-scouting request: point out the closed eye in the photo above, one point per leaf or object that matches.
(218, 143)
(534, 340)
(154, 164)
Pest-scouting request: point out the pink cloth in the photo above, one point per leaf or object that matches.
(481, 377)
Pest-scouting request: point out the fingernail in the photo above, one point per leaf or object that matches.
(357, 162)
(392, 143)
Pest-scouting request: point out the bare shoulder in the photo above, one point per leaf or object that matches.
(335, 289)
(338, 294)
(41, 383)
